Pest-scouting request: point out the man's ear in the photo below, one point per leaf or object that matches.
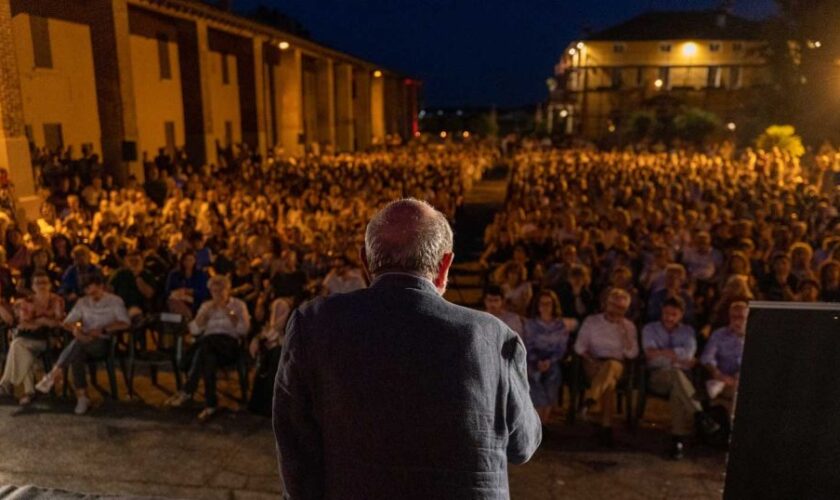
(363, 259)
(443, 269)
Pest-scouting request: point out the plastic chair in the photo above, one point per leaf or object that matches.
(167, 336)
(109, 360)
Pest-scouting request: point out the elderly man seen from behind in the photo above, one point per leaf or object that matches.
(393, 392)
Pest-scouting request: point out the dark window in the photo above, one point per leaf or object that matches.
(735, 77)
(169, 133)
(665, 47)
(53, 137)
(618, 48)
(737, 47)
(228, 133)
(225, 70)
(163, 57)
(41, 41)
(714, 77)
(616, 78)
(714, 47)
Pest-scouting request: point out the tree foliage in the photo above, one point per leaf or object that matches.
(783, 137)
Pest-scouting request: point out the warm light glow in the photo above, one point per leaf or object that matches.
(818, 44)
(563, 113)
(377, 74)
(731, 126)
(572, 51)
(283, 45)
(612, 128)
(658, 83)
(580, 46)
(443, 134)
(416, 134)
(466, 134)
(689, 49)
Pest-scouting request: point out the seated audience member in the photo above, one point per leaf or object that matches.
(134, 284)
(674, 281)
(186, 287)
(809, 290)
(77, 274)
(343, 278)
(576, 299)
(546, 339)
(266, 348)
(780, 284)
(830, 281)
(669, 347)
(604, 343)
(494, 303)
(516, 289)
(94, 317)
(722, 355)
(220, 324)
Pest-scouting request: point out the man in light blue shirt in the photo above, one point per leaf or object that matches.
(669, 350)
(722, 355)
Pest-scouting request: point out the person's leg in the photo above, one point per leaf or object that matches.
(211, 364)
(196, 367)
(605, 378)
(29, 350)
(18, 363)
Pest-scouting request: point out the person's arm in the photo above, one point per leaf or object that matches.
(652, 351)
(296, 430)
(145, 288)
(582, 342)
(631, 341)
(523, 423)
(242, 323)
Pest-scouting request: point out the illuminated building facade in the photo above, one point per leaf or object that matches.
(126, 78)
(708, 59)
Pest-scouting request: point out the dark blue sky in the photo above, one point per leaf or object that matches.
(472, 52)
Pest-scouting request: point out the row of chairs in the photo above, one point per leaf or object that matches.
(157, 342)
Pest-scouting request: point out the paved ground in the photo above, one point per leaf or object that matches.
(136, 448)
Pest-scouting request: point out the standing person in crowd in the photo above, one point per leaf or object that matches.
(780, 284)
(576, 298)
(669, 347)
(830, 281)
(494, 303)
(219, 327)
(605, 342)
(93, 319)
(722, 356)
(546, 339)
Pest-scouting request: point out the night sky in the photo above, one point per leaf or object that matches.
(472, 52)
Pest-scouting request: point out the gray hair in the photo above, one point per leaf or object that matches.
(407, 235)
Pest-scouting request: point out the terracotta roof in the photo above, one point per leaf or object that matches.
(682, 25)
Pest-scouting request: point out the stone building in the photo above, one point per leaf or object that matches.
(709, 59)
(125, 78)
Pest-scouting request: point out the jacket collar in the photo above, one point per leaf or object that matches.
(404, 280)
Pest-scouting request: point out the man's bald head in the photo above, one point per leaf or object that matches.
(409, 236)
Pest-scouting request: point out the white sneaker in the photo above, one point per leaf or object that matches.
(45, 385)
(82, 405)
(178, 399)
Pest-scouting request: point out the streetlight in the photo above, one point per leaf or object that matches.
(443, 134)
(377, 74)
(579, 45)
(731, 126)
(284, 45)
(572, 51)
(564, 113)
(466, 134)
(689, 49)
(658, 83)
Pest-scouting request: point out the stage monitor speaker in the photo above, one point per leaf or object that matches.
(129, 151)
(785, 439)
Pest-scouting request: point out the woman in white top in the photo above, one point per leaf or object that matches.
(219, 326)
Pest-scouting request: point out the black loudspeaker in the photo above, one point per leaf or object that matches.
(786, 434)
(129, 151)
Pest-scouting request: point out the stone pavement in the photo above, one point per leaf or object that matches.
(135, 448)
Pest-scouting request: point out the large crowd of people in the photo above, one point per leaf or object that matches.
(656, 255)
(627, 263)
(229, 248)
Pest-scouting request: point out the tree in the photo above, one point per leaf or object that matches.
(695, 125)
(640, 125)
(783, 137)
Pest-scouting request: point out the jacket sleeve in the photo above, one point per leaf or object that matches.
(295, 428)
(524, 429)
